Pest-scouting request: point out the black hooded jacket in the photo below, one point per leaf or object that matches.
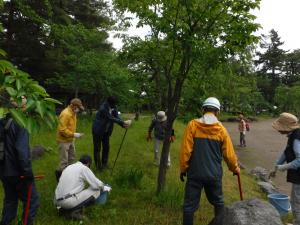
(105, 120)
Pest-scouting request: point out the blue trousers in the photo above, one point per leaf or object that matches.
(193, 189)
(15, 189)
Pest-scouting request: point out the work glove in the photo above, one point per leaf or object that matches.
(127, 123)
(172, 138)
(272, 174)
(237, 171)
(107, 188)
(182, 175)
(283, 167)
(78, 135)
(149, 138)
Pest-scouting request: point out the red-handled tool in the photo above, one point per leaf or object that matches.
(240, 186)
(38, 177)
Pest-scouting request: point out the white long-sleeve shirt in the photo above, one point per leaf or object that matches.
(73, 179)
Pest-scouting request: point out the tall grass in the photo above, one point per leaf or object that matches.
(132, 200)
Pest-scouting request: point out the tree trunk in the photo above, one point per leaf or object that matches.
(164, 160)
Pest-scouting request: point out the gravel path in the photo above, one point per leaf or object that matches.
(264, 146)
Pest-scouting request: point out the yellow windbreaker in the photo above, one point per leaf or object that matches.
(67, 125)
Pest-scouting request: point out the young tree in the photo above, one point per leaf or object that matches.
(186, 31)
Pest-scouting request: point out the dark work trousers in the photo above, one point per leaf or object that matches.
(101, 140)
(15, 189)
(193, 188)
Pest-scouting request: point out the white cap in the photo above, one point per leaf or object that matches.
(161, 116)
(213, 102)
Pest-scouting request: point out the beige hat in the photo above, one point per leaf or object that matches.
(77, 102)
(161, 116)
(286, 122)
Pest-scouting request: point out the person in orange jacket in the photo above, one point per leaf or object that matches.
(205, 142)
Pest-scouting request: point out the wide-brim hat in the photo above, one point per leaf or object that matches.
(77, 102)
(286, 122)
(161, 116)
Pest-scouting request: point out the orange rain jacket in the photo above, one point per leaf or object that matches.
(202, 150)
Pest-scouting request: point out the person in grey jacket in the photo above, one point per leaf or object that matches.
(159, 125)
(102, 129)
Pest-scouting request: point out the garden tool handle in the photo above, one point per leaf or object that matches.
(37, 177)
(240, 187)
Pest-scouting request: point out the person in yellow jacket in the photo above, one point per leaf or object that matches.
(205, 142)
(66, 132)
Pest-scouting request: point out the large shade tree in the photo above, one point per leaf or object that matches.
(183, 32)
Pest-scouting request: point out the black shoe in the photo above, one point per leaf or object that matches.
(58, 174)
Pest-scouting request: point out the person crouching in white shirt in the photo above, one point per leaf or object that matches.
(71, 195)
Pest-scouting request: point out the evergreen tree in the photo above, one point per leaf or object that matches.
(292, 67)
(270, 64)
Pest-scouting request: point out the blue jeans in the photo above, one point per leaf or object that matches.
(193, 189)
(15, 189)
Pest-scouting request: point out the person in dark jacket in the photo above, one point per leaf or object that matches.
(16, 172)
(102, 129)
(287, 124)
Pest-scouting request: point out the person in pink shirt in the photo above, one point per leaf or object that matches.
(242, 129)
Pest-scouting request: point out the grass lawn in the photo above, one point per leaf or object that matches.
(132, 200)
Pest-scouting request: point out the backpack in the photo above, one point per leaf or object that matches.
(4, 126)
(247, 127)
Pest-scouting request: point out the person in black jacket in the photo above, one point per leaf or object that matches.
(102, 129)
(16, 172)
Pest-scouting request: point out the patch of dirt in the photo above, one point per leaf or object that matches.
(264, 147)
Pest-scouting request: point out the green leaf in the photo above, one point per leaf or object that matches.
(18, 84)
(19, 117)
(30, 125)
(49, 123)
(12, 92)
(53, 101)
(39, 89)
(2, 53)
(1, 112)
(52, 117)
(40, 108)
(5, 65)
(9, 79)
(30, 105)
